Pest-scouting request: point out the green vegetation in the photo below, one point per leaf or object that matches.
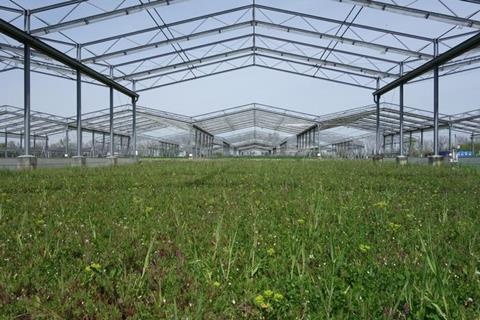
(226, 239)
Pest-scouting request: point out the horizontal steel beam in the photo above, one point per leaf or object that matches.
(56, 6)
(230, 57)
(164, 114)
(418, 13)
(102, 16)
(279, 53)
(183, 50)
(154, 45)
(254, 122)
(341, 22)
(443, 58)
(316, 66)
(198, 77)
(39, 64)
(178, 67)
(10, 9)
(322, 62)
(344, 40)
(165, 26)
(332, 49)
(240, 25)
(59, 56)
(317, 77)
(196, 127)
(190, 63)
(257, 108)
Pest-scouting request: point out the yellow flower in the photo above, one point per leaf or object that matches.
(300, 221)
(394, 226)
(93, 267)
(216, 284)
(277, 297)
(380, 205)
(259, 300)
(265, 305)
(268, 299)
(364, 247)
(148, 210)
(268, 293)
(271, 251)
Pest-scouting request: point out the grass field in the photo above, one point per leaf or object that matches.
(228, 239)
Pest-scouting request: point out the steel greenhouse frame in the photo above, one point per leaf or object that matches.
(368, 57)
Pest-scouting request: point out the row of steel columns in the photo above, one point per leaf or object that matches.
(342, 146)
(410, 140)
(203, 144)
(226, 149)
(347, 149)
(377, 99)
(164, 149)
(308, 139)
(21, 137)
(283, 148)
(27, 100)
(120, 146)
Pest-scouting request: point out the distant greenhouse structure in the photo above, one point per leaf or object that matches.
(63, 39)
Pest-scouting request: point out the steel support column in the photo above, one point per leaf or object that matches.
(314, 135)
(449, 137)
(79, 106)
(26, 96)
(318, 142)
(410, 144)
(66, 141)
(111, 124)
(93, 143)
(473, 144)
(401, 112)
(134, 122)
(210, 146)
(46, 148)
(435, 102)
(377, 129)
(103, 144)
(6, 143)
(202, 144)
(195, 145)
(421, 142)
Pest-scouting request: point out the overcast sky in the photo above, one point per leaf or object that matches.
(458, 93)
